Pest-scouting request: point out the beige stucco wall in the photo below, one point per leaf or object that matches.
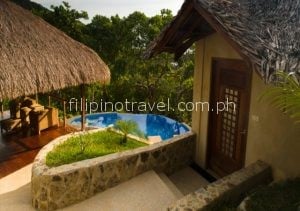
(272, 137)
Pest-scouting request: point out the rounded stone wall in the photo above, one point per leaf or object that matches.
(58, 187)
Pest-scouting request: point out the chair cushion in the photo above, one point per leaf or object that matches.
(25, 114)
(26, 110)
(37, 107)
(28, 102)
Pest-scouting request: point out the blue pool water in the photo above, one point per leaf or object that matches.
(149, 124)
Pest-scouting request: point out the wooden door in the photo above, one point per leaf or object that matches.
(228, 129)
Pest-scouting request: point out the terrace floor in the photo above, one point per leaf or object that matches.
(19, 150)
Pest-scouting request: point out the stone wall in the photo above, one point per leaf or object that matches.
(58, 187)
(231, 188)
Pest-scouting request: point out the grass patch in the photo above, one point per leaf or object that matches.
(278, 196)
(89, 146)
(223, 206)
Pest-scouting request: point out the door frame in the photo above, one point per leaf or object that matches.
(246, 115)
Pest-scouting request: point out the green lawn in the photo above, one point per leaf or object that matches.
(89, 146)
(280, 196)
(284, 195)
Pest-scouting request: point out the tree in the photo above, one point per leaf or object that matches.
(66, 19)
(127, 127)
(120, 42)
(101, 37)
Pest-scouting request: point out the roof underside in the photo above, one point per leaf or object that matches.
(265, 33)
(37, 57)
(186, 28)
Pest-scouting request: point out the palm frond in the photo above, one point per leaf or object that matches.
(285, 94)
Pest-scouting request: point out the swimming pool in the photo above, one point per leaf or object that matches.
(149, 124)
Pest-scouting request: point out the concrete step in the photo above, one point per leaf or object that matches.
(170, 185)
(187, 180)
(145, 192)
(148, 191)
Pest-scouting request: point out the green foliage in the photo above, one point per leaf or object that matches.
(88, 146)
(83, 143)
(283, 195)
(285, 95)
(5, 104)
(127, 127)
(29, 5)
(120, 42)
(65, 19)
(222, 206)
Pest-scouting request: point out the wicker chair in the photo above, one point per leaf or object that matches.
(25, 116)
(43, 119)
(14, 109)
(27, 102)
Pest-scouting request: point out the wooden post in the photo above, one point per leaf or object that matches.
(37, 97)
(83, 100)
(49, 100)
(64, 113)
(1, 109)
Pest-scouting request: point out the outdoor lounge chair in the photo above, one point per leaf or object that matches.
(26, 107)
(14, 109)
(24, 113)
(29, 115)
(43, 119)
(27, 102)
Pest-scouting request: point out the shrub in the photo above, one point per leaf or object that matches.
(127, 127)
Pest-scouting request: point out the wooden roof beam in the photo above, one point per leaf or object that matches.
(168, 35)
(210, 19)
(188, 33)
(181, 48)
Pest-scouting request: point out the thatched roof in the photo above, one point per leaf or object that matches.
(37, 57)
(265, 33)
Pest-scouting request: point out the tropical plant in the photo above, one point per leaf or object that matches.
(285, 94)
(127, 127)
(83, 143)
(120, 41)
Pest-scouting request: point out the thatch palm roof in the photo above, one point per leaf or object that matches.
(265, 33)
(36, 57)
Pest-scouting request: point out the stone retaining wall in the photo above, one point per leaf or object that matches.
(231, 188)
(58, 187)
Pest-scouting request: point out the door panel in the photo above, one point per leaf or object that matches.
(228, 129)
